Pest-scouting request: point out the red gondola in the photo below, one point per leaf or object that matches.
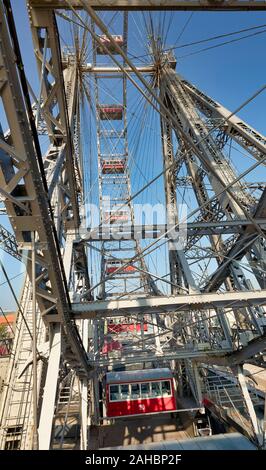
(112, 266)
(106, 42)
(111, 346)
(116, 218)
(133, 393)
(112, 112)
(113, 166)
(125, 327)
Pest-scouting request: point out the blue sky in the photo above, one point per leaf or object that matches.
(230, 74)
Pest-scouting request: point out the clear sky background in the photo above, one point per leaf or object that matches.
(230, 74)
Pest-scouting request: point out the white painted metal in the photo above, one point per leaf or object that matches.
(47, 410)
(156, 4)
(249, 404)
(182, 303)
(182, 329)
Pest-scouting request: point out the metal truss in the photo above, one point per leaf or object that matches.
(181, 302)
(8, 243)
(216, 172)
(46, 193)
(234, 127)
(16, 410)
(155, 231)
(20, 174)
(234, 5)
(114, 182)
(220, 319)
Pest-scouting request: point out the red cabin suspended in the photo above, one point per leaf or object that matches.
(113, 166)
(111, 346)
(105, 41)
(133, 393)
(115, 328)
(112, 112)
(112, 266)
(118, 217)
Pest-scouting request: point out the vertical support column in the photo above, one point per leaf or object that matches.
(49, 397)
(170, 200)
(96, 398)
(95, 382)
(197, 383)
(142, 331)
(179, 379)
(84, 415)
(42, 79)
(177, 260)
(156, 333)
(34, 348)
(225, 326)
(249, 404)
(47, 411)
(264, 425)
(84, 394)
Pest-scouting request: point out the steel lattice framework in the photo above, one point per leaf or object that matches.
(220, 321)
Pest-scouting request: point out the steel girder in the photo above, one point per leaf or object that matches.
(21, 174)
(253, 142)
(242, 245)
(247, 137)
(180, 272)
(216, 167)
(156, 4)
(220, 174)
(165, 356)
(8, 243)
(154, 231)
(182, 303)
(59, 95)
(175, 262)
(110, 71)
(213, 162)
(60, 111)
(253, 350)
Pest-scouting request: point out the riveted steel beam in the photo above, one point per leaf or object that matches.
(182, 303)
(219, 5)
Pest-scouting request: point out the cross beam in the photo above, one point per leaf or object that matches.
(129, 232)
(253, 348)
(103, 70)
(178, 354)
(183, 303)
(219, 5)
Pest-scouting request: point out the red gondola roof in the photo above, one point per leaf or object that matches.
(138, 375)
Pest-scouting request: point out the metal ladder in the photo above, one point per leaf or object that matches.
(225, 393)
(16, 412)
(67, 414)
